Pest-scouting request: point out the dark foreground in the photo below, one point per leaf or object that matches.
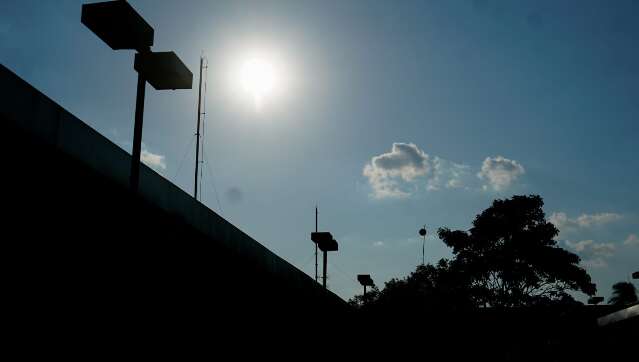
(91, 269)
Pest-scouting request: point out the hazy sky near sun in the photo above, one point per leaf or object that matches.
(390, 115)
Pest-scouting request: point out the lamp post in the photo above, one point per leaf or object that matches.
(366, 281)
(324, 240)
(121, 27)
(422, 232)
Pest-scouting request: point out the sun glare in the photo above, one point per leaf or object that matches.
(259, 79)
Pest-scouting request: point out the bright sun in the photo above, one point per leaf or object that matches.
(260, 79)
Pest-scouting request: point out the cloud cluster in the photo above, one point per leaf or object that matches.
(407, 169)
(593, 254)
(394, 174)
(404, 162)
(447, 174)
(563, 222)
(500, 172)
(596, 255)
(151, 159)
(632, 240)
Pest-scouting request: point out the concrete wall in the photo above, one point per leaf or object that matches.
(75, 183)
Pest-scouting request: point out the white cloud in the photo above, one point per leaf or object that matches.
(594, 263)
(562, 221)
(147, 157)
(579, 246)
(632, 240)
(603, 249)
(500, 172)
(378, 244)
(594, 254)
(590, 247)
(447, 174)
(384, 185)
(457, 173)
(152, 159)
(405, 160)
(597, 219)
(395, 174)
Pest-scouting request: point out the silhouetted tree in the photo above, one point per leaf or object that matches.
(359, 301)
(429, 287)
(508, 258)
(511, 258)
(623, 293)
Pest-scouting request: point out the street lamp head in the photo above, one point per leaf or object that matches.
(163, 70)
(422, 232)
(118, 25)
(324, 241)
(329, 245)
(365, 280)
(321, 237)
(121, 27)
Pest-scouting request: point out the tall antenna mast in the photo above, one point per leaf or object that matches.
(197, 131)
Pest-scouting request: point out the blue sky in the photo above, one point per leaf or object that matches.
(390, 115)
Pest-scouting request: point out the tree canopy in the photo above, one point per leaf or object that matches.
(623, 293)
(508, 258)
(429, 287)
(511, 256)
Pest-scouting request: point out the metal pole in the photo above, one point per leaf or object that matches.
(315, 245)
(197, 131)
(423, 246)
(134, 176)
(324, 281)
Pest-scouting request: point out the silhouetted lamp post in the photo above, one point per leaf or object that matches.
(422, 233)
(635, 275)
(595, 300)
(326, 243)
(365, 280)
(121, 27)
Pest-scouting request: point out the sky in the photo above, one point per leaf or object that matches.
(388, 115)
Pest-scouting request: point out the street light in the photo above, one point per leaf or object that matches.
(366, 281)
(121, 27)
(324, 240)
(635, 275)
(422, 232)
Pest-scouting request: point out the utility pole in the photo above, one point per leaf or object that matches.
(163, 70)
(315, 245)
(326, 243)
(134, 175)
(197, 131)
